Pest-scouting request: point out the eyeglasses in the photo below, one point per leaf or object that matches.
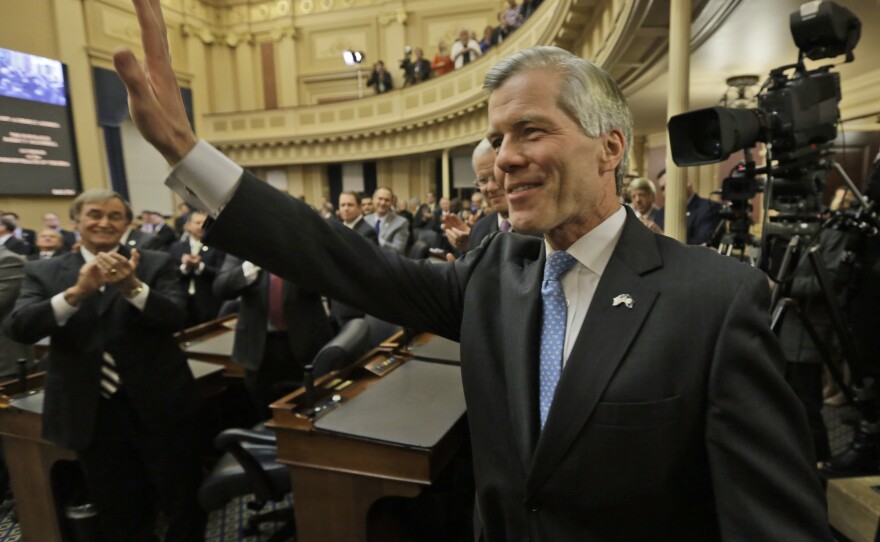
(482, 181)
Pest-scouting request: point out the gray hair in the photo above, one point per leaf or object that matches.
(641, 183)
(95, 196)
(587, 93)
(483, 147)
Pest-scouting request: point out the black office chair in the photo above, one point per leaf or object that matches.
(431, 237)
(380, 330)
(250, 464)
(419, 250)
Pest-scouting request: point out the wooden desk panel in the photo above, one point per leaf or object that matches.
(30, 458)
(335, 477)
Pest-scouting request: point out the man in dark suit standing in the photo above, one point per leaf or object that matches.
(163, 232)
(280, 327)
(351, 216)
(11, 275)
(198, 264)
(118, 389)
(490, 183)
(9, 240)
(671, 408)
(28, 236)
(703, 215)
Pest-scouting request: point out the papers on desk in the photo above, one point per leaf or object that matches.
(415, 406)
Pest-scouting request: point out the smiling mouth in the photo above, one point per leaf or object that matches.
(522, 188)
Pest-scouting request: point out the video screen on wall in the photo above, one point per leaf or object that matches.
(37, 146)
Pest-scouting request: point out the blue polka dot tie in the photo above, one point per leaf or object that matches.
(553, 322)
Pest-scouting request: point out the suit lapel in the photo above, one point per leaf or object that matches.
(606, 335)
(521, 305)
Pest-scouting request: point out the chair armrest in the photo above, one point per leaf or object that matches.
(229, 437)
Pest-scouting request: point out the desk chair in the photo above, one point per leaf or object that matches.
(250, 464)
(380, 330)
(419, 250)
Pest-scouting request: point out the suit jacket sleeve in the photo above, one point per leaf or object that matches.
(230, 282)
(331, 259)
(11, 273)
(398, 239)
(32, 318)
(760, 455)
(166, 303)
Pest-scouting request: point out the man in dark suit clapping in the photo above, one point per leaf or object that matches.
(198, 264)
(118, 389)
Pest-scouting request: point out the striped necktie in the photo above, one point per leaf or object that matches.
(110, 381)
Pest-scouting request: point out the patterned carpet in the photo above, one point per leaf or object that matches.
(225, 525)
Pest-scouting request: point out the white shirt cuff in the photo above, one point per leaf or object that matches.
(205, 178)
(62, 309)
(140, 300)
(251, 272)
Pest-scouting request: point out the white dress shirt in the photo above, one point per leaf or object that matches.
(64, 310)
(592, 252)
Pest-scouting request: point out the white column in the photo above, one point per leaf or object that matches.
(677, 102)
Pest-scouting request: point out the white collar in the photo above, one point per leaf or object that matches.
(594, 249)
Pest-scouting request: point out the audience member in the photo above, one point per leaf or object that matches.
(667, 408)
(393, 230)
(380, 78)
(417, 69)
(501, 31)
(163, 232)
(23, 234)
(51, 221)
(642, 194)
(279, 330)
(351, 215)
(427, 217)
(49, 245)
(488, 40)
(490, 183)
(118, 390)
(10, 241)
(198, 264)
(464, 50)
(367, 205)
(703, 215)
(528, 7)
(136, 238)
(183, 211)
(11, 274)
(442, 63)
(511, 15)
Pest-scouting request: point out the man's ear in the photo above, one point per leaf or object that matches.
(613, 149)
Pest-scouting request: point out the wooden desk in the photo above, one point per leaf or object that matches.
(30, 458)
(336, 477)
(212, 342)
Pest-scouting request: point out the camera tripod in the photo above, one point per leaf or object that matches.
(861, 456)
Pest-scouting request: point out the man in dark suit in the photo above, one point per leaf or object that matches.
(11, 274)
(51, 221)
(703, 215)
(351, 216)
(198, 264)
(24, 234)
(163, 232)
(118, 389)
(490, 183)
(137, 238)
(49, 245)
(280, 327)
(671, 408)
(417, 69)
(10, 241)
